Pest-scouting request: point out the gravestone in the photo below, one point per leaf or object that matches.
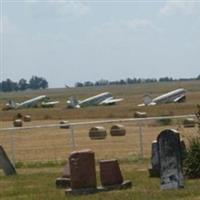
(111, 176)
(110, 173)
(154, 169)
(6, 164)
(169, 148)
(66, 171)
(64, 181)
(82, 171)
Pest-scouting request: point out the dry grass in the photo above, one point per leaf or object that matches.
(133, 95)
(47, 144)
(55, 143)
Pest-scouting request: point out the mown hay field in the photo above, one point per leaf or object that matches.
(55, 144)
(132, 94)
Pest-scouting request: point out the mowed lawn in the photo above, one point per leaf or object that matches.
(39, 184)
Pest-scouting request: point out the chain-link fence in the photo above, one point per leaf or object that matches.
(49, 142)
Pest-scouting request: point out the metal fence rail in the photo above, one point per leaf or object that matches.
(99, 122)
(47, 142)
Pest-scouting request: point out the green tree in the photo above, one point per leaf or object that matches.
(8, 86)
(38, 83)
(22, 84)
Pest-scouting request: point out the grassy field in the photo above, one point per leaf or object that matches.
(55, 144)
(132, 94)
(35, 148)
(39, 184)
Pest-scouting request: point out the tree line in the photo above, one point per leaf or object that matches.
(128, 81)
(34, 83)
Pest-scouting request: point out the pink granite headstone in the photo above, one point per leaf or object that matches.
(82, 170)
(110, 173)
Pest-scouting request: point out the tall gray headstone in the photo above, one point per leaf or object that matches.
(154, 169)
(5, 163)
(169, 149)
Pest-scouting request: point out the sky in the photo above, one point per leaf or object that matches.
(69, 41)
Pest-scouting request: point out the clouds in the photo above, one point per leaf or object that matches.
(125, 26)
(58, 9)
(184, 7)
(140, 24)
(66, 37)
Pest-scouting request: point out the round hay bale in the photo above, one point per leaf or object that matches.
(97, 133)
(138, 114)
(64, 124)
(189, 123)
(17, 123)
(27, 118)
(117, 130)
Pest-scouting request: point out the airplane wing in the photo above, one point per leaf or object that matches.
(150, 104)
(179, 98)
(49, 104)
(110, 101)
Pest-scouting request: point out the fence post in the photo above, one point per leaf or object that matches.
(141, 140)
(13, 148)
(73, 145)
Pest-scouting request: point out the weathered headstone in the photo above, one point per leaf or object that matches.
(169, 148)
(198, 116)
(110, 173)
(111, 176)
(64, 181)
(82, 172)
(66, 171)
(154, 169)
(5, 163)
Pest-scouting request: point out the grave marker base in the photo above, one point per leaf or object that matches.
(125, 185)
(153, 173)
(63, 182)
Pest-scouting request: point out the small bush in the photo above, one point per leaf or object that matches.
(164, 122)
(192, 159)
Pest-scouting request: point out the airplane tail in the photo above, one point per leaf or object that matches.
(147, 99)
(73, 102)
(11, 105)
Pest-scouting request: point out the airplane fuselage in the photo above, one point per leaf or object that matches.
(95, 100)
(169, 97)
